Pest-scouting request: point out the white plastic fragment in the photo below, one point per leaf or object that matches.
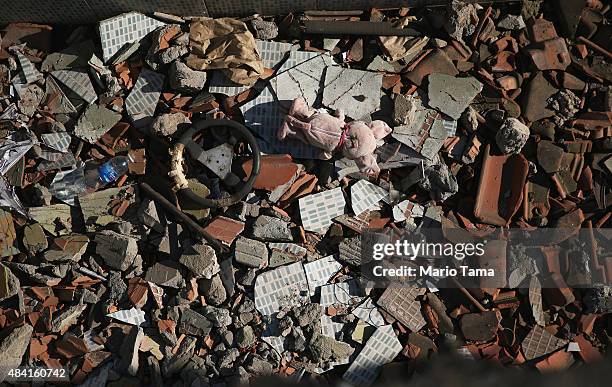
(573, 347)
(131, 316)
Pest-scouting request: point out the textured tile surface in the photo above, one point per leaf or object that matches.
(318, 210)
(120, 30)
(381, 348)
(283, 286)
(143, 98)
(365, 195)
(320, 272)
(401, 303)
(78, 81)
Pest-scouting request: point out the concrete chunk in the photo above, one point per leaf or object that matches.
(201, 260)
(13, 347)
(269, 228)
(251, 253)
(118, 251)
(451, 95)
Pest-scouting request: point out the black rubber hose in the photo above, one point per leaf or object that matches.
(242, 132)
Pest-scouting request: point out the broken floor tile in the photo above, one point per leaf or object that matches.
(120, 30)
(535, 300)
(264, 115)
(130, 316)
(318, 210)
(402, 304)
(95, 122)
(301, 80)
(356, 92)
(142, 101)
(481, 326)
(368, 312)
(319, 272)
(285, 286)
(540, 342)
(77, 81)
(381, 348)
(365, 196)
(165, 273)
(406, 210)
(347, 293)
(289, 248)
(426, 132)
(330, 328)
(30, 72)
(59, 141)
(451, 95)
(225, 229)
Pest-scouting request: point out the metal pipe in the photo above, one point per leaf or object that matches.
(183, 217)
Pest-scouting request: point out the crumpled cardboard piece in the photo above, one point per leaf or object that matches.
(225, 43)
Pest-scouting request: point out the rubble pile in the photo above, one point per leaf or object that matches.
(483, 118)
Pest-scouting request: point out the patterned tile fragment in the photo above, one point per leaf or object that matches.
(143, 98)
(365, 195)
(123, 29)
(131, 316)
(540, 342)
(381, 348)
(369, 313)
(78, 81)
(283, 286)
(60, 141)
(318, 210)
(320, 272)
(401, 303)
(347, 293)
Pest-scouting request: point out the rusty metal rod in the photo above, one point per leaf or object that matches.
(183, 217)
(595, 47)
(469, 295)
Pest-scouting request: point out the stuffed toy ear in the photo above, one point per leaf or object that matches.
(380, 129)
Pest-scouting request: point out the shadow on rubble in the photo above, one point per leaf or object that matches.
(449, 371)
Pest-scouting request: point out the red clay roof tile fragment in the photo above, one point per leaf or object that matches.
(225, 229)
(500, 191)
(274, 170)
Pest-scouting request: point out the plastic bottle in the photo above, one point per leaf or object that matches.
(105, 174)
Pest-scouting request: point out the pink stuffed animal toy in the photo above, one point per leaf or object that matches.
(356, 140)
